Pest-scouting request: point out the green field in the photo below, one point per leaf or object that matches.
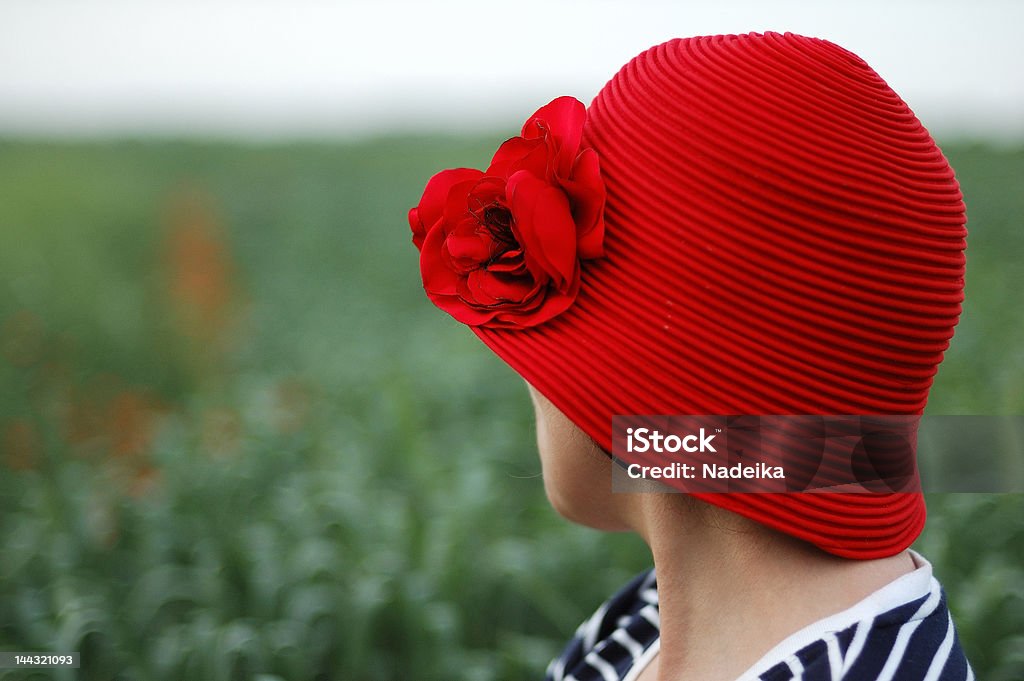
(238, 441)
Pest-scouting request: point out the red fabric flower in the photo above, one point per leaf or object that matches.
(502, 248)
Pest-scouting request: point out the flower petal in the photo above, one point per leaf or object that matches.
(456, 205)
(488, 189)
(438, 276)
(543, 226)
(552, 304)
(509, 262)
(419, 230)
(586, 192)
(517, 154)
(562, 119)
(490, 288)
(424, 216)
(457, 308)
(469, 244)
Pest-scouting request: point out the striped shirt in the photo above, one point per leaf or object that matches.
(902, 632)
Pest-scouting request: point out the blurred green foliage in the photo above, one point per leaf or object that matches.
(238, 443)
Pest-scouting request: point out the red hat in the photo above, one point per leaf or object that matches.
(751, 224)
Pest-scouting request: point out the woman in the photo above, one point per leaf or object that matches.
(738, 225)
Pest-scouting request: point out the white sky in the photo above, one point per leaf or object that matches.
(301, 68)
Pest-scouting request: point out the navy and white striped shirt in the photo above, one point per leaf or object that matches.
(902, 632)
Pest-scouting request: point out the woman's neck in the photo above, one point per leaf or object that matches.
(729, 590)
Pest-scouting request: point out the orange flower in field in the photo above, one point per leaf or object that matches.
(131, 423)
(200, 267)
(144, 479)
(85, 415)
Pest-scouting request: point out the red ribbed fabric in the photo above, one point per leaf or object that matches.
(782, 237)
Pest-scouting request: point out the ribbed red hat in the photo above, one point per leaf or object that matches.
(782, 236)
